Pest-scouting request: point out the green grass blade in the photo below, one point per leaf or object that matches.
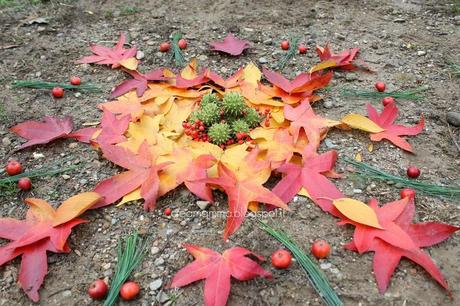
(314, 274)
(413, 94)
(50, 85)
(34, 173)
(177, 52)
(368, 171)
(293, 42)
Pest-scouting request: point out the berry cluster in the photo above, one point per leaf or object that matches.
(224, 122)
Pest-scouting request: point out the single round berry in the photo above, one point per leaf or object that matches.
(24, 183)
(388, 100)
(407, 192)
(380, 86)
(281, 259)
(302, 49)
(57, 92)
(167, 211)
(75, 80)
(284, 45)
(129, 290)
(13, 167)
(413, 172)
(98, 289)
(164, 47)
(182, 43)
(320, 249)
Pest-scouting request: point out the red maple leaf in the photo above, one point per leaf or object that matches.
(217, 269)
(106, 56)
(304, 82)
(387, 256)
(392, 132)
(138, 82)
(112, 128)
(37, 132)
(303, 117)
(230, 45)
(84, 135)
(311, 175)
(232, 81)
(343, 60)
(243, 189)
(142, 172)
(44, 229)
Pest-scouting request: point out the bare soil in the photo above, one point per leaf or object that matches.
(408, 43)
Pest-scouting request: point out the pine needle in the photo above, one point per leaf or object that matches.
(455, 69)
(293, 42)
(367, 171)
(85, 87)
(314, 274)
(130, 256)
(177, 52)
(42, 172)
(413, 94)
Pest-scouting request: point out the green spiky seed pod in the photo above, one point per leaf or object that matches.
(208, 99)
(193, 116)
(219, 133)
(209, 114)
(239, 126)
(233, 104)
(252, 117)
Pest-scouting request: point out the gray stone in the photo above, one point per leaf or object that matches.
(162, 297)
(357, 191)
(328, 104)
(453, 118)
(203, 204)
(140, 55)
(6, 141)
(154, 250)
(399, 20)
(159, 261)
(325, 265)
(66, 293)
(263, 60)
(421, 53)
(156, 284)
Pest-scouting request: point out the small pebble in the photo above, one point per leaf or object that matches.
(263, 60)
(154, 250)
(140, 54)
(357, 191)
(77, 94)
(421, 53)
(66, 176)
(6, 141)
(203, 204)
(453, 118)
(156, 284)
(325, 265)
(328, 104)
(159, 261)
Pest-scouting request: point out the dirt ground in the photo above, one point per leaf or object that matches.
(408, 43)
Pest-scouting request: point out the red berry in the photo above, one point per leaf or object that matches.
(240, 141)
(267, 123)
(284, 45)
(302, 49)
(413, 172)
(320, 249)
(75, 80)
(244, 134)
(197, 121)
(24, 183)
(380, 86)
(184, 124)
(388, 100)
(98, 289)
(239, 136)
(13, 167)
(201, 128)
(167, 211)
(129, 290)
(281, 259)
(267, 110)
(164, 47)
(57, 92)
(195, 134)
(182, 43)
(407, 192)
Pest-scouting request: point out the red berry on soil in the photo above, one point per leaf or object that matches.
(302, 49)
(388, 100)
(281, 259)
(320, 249)
(182, 43)
(413, 172)
(407, 192)
(284, 45)
(75, 80)
(380, 86)
(24, 183)
(57, 92)
(129, 290)
(164, 47)
(98, 289)
(167, 211)
(13, 167)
